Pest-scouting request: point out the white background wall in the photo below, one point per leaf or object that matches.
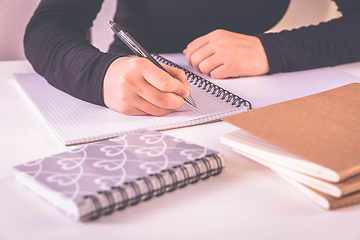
(14, 15)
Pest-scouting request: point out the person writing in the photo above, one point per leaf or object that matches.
(221, 38)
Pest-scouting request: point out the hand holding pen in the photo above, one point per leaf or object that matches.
(141, 52)
(135, 86)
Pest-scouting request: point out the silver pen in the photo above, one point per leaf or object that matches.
(140, 51)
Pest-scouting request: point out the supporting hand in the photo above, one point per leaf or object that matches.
(224, 54)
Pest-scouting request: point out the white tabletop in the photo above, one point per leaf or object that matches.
(246, 201)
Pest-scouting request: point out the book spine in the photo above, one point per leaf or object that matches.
(145, 188)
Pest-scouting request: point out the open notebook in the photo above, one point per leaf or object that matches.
(96, 179)
(76, 121)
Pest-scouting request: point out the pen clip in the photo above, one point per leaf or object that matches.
(131, 44)
(128, 40)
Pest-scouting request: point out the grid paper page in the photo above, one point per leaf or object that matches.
(76, 121)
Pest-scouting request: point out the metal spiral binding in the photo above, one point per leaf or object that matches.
(208, 167)
(139, 196)
(124, 198)
(110, 198)
(137, 192)
(219, 168)
(174, 182)
(196, 167)
(150, 188)
(186, 175)
(97, 212)
(162, 188)
(207, 86)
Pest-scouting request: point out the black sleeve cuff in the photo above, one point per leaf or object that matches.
(273, 50)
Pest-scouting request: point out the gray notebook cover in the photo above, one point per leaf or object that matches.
(97, 178)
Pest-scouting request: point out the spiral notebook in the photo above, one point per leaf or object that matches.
(76, 121)
(96, 179)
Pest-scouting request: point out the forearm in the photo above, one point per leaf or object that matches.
(56, 45)
(328, 44)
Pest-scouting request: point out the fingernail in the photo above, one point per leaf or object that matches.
(190, 90)
(185, 92)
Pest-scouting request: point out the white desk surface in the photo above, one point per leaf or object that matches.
(246, 201)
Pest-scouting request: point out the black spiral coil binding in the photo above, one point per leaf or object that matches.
(207, 86)
(111, 206)
(150, 187)
(151, 191)
(137, 193)
(197, 175)
(219, 168)
(124, 198)
(185, 173)
(162, 188)
(208, 167)
(97, 212)
(174, 183)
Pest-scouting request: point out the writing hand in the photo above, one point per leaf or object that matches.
(224, 54)
(135, 86)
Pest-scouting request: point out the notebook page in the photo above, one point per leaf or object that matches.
(76, 121)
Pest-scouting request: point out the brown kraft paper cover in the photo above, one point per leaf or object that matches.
(323, 128)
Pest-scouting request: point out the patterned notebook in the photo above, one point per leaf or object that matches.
(98, 178)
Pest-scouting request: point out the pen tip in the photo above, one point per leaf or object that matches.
(111, 22)
(191, 101)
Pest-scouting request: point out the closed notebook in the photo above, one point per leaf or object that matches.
(98, 178)
(336, 190)
(327, 195)
(320, 132)
(325, 201)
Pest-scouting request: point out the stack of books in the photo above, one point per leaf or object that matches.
(312, 142)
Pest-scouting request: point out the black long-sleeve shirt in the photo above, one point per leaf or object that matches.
(55, 40)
